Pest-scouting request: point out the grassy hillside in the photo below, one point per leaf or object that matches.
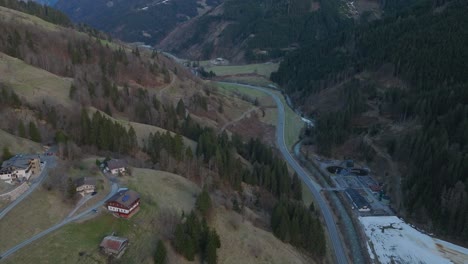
(249, 244)
(143, 130)
(241, 241)
(264, 69)
(294, 124)
(34, 84)
(18, 145)
(158, 189)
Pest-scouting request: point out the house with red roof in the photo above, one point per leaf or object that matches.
(114, 246)
(125, 203)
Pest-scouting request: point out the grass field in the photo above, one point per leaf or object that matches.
(34, 21)
(158, 190)
(13, 15)
(78, 242)
(166, 189)
(241, 242)
(18, 145)
(293, 125)
(232, 88)
(39, 211)
(264, 69)
(253, 80)
(33, 83)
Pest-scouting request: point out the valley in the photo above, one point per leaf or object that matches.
(233, 131)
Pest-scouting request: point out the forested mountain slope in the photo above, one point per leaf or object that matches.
(409, 70)
(134, 20)
(52, 79)
(255, 30)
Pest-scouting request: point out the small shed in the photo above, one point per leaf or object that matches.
(114, 246)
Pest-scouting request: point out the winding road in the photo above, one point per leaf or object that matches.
(49, 162)
(67, 220)
(338, 248)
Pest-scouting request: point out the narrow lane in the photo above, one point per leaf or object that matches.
(49, 162)
(67, 220)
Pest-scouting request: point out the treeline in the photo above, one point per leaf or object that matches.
(333, 128)
(105, 134)
(269, 25)
(292, 222)
(193, 237)
(437, 184)
(413, 44)
(269, 172)
(91, 61)
(427, 50)
(42, 11)
(173, 145)
(8, 97)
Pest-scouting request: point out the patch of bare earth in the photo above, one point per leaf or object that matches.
(252, 127)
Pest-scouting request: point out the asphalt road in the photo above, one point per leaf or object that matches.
(338, 248)
(84, 214)
(49, 162)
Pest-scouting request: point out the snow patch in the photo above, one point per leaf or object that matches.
(394, 241)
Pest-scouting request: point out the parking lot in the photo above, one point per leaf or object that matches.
(356, 184)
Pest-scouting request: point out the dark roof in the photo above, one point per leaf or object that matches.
(85, 181)
(19, 162)
(116, 164)
(113, 243)
(125, 198)
(357, 199)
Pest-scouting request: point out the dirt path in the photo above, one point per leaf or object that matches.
(238, 119)
(173, 78)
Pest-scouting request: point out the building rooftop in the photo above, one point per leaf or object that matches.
(125, 197)
(19, 161)
(85, 181)
(116, 164)
(357, 199)
(114, 243)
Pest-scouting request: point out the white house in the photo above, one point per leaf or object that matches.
(19, 168)
(85, 185)
(116, 166)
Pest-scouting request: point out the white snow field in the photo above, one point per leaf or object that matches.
(391, 240)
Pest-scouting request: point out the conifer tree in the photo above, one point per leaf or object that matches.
(160, 257)
(6, 153)
(34, 133)
(203, 202)
(21, 129)
(180, 109)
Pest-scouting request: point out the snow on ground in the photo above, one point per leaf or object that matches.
(394, 241)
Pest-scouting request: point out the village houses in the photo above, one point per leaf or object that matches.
(20, 168)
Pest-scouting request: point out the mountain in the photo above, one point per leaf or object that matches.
(91, 96)
(239, 30)
(258, 30)
(394, 93)
(145, 21)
